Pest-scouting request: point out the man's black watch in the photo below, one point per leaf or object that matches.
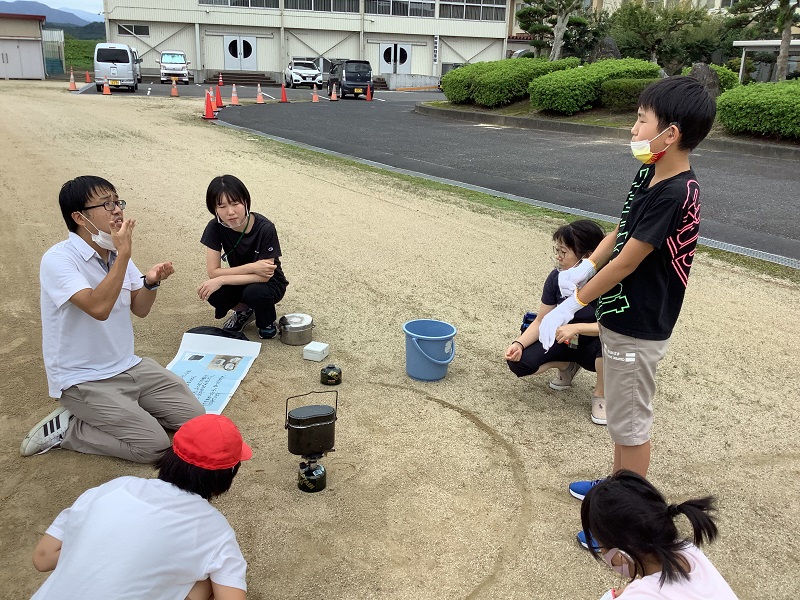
(147, 286)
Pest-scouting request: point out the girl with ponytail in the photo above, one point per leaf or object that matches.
(633, 530)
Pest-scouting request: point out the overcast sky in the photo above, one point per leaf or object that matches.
(92, 6)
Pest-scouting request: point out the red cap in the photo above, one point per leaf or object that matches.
(210, 442)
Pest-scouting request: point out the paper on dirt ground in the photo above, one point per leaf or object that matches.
(213, 367)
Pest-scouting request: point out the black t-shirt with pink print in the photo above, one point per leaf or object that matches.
(646, 304)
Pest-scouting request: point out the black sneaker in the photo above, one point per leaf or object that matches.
(239, 319)
(267, 333)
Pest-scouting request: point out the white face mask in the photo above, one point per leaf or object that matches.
(625, 568)
(101, 238)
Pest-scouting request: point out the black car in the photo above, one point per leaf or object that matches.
(350, 77)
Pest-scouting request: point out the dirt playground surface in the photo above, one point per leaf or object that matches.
(453, 489)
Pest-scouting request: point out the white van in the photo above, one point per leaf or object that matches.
(137, 63)
(174, 64)
(115, 64)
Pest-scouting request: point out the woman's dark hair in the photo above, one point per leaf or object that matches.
(581, 236)
(75, 194)
(203, 482)
(229, 186)
(683, 101)
(626, 512)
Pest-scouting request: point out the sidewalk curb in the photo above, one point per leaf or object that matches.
(766, 150)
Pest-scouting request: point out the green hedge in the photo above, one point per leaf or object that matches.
(499, 82)
(623, 94)
(763, 108)
(727, 78)
(574, 90)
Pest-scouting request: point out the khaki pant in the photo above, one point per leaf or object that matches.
(629, 370)
(125, 416)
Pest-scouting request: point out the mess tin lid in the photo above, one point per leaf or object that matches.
(312, 414)
(295, 321)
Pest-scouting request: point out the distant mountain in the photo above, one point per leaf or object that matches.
(25, 7)
(92, 31)
(86, 16)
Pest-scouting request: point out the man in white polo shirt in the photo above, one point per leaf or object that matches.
(111, 401)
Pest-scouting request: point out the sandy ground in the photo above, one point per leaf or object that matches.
(453, 489)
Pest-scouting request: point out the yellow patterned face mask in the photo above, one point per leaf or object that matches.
(641, 150)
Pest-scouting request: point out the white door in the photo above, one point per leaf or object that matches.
(240, 53)
(395, 58)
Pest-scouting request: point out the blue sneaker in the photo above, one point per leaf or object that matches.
(579, 489)
(582, 541)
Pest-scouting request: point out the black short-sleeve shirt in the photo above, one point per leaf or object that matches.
(259, 243)
(646, 304)
(551, 296)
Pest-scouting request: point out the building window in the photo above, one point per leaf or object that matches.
(349, 6)
(473, 10)
(140, 30)
(400, 8)
(241, 3)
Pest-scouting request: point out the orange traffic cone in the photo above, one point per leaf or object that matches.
(220, 80)
(211, 93)
(72, 86)
(209, 114)
(106, 89)
(174, 91)
(88, 79)
(314, 96)
(369, 93)
(259, 96)
(333, 97)
(283, 93)
(218, 100)
(234, 96)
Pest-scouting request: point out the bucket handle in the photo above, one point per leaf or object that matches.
(335, 412)
(447, 361)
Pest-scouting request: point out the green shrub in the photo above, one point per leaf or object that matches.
(574, 90)
(499, 82)
(507, 80)
(623, 94)
(457, 84)
(79, 54)
(763, 108)
(727, 78)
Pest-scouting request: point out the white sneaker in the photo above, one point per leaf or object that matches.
(47, 434)
(598, 410)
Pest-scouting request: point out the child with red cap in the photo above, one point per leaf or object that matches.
(134, 538)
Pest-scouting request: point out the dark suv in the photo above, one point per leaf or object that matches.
(350, 77)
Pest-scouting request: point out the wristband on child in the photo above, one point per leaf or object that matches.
(520, 344)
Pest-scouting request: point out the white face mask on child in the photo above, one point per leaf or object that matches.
(625, 568)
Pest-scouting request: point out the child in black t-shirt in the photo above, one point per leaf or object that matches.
(638, 274)
(253, 282)
(578, 344)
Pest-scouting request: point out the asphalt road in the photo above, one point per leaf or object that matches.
(746, 200)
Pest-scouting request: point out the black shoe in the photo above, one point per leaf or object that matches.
(239, 319)
(267, 333)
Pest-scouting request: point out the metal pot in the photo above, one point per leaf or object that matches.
(295, 329)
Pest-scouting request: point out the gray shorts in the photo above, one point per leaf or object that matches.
(629, 378)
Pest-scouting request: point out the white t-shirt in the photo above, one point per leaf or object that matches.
(78, 348)
(137, 539)
(705, 583)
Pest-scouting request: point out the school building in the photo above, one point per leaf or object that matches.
(409, 42)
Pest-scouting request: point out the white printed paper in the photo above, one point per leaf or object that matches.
(213, 366)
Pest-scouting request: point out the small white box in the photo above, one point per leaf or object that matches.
(315, 351)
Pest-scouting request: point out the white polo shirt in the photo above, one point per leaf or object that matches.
(78, 348)
(141, 539)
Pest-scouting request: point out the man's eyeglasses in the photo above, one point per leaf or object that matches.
(109, 205)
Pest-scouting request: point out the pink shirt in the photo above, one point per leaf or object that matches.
(705, 583)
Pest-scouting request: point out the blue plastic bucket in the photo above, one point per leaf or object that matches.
(429, 348)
